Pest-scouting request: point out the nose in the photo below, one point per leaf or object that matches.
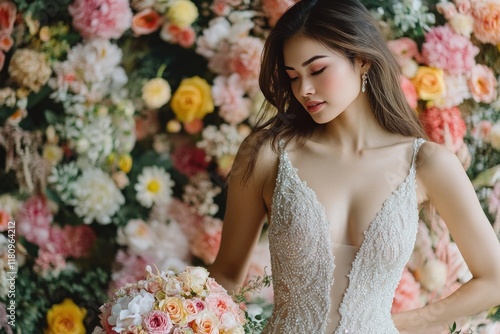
(306, 88)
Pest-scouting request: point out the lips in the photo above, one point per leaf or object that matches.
(314, 106)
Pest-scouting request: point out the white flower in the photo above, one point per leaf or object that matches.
(207, 44)
(200, 192)
(433, 275)
(462, 24)
(96, 196)
(494, 136)
(220, 142)
(137, 235)
(153, 186)
(170, 243)
(128, 310)
(156, 93)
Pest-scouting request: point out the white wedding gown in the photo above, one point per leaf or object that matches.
(321, 287)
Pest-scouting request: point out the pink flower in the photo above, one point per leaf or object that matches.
(218, 62)
(228, 93)
(448, 9)
(72, 241)
(157, 322)
(410, 92)
(34, 219)
(482, 130)
(457, 90)
(245, 57)
(145, 22)
(486, 14)
(444, 126)
(206, 243)
(273, 9)
(403, 49)
(171, 33)
(8, 13)
(189, 159)
(49, 262)
(129, 268)
(445, 49)
(407, 295)
(105, 314)
(483, 84)
(463, 6)
(101, 18)
(220, 7)
(4, 220)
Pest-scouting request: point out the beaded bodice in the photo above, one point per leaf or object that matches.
(303, 263)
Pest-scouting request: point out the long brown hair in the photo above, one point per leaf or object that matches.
(347, 27)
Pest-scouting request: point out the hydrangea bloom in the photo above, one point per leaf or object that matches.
(445, 49)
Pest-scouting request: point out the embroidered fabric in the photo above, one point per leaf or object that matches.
(303, 263)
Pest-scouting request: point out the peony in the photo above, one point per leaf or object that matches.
(101, 18)
(146, 22)
(445, 49)
(156, 93)
(66, 318)
(444, 126)
(29, 69)
(486, 14)
(407, 295)
(154, 185)
(244, 59)
(182, 13)
(433, 274)
(228, 95)
(157, 322)
(192, 100)
(34, 219)
(429, 82)
(483, 84)
(494, 136)
(96, 197)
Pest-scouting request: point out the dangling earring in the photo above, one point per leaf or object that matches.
(365, 79)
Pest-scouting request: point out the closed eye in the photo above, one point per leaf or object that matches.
(319, 71)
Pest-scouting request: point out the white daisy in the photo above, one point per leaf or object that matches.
(154, 185)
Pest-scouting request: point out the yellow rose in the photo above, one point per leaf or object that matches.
(125, 162)
(175, 309)
(156, 92)
(192, 100)
(65, 318)
(429, 82)
(182, 13)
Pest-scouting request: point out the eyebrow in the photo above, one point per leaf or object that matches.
(307, 62)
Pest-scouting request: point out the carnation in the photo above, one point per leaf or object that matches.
(228, 94)
(107, 19)
(156, 93)
(34, 219)
(29, 69)
(444, 126)
(445, 49)
(96, 197)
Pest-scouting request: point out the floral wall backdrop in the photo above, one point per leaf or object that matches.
(119, 122)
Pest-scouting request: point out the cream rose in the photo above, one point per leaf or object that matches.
(192, 100)
(175, 309)
(182, 13)
(432, 275)
(156, 92)
(429, 82)
(206, 323)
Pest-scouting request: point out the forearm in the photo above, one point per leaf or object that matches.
(473, 297)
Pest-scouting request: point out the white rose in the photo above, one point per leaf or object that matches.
(494, 136)
(137, 235)
(462, 24)
(433, 275)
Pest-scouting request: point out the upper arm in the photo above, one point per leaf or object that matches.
(450, 191)
(245, 213)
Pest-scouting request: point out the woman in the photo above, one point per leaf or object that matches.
(339, 173)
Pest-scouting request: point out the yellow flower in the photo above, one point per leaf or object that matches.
(65, 318)
(156, 92)
(429, 82)
(182, 13)
(52, 153)
(192, 100)
(125, 162)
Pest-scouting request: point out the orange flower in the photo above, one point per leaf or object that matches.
(145, 22)
(6, 42)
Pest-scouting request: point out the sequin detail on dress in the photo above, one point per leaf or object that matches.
(302, 261)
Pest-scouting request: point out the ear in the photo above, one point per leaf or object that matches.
(365, 65)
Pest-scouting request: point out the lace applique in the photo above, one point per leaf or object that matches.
(303, 264)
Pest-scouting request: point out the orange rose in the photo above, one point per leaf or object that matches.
(429, 82)
(145, 22)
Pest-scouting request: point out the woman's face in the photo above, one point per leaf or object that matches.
(323, 81)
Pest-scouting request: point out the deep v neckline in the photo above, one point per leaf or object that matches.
(383, 207)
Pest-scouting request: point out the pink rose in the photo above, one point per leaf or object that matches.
(407, 296)
(410, 92)
(486, 14)
(404, 48)
(157, 322)
(101, 18)
(483, 84)
(145, 22)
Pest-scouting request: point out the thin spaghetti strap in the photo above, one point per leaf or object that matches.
(416, 147)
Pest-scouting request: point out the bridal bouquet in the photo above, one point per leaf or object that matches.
(166, 302)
